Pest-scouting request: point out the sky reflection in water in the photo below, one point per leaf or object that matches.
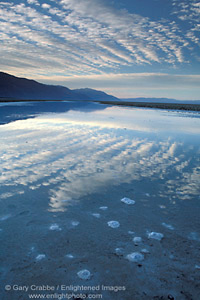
(77, 153)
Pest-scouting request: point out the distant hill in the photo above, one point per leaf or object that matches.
(15, 88)
(96, 95)
(26, 89)
(160, 100)
(12, 87)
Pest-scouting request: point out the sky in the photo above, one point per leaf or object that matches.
(128, 48)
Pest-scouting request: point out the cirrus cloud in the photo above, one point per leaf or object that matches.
(90, 37)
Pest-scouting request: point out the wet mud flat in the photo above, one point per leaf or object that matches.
(173, 106)
(120, 245)
(135, 248)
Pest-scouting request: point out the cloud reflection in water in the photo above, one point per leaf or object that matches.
(76, 154)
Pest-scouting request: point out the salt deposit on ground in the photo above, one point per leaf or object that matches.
(197, 267)
(69, 256)
(145, 250)
(137, 239)
(96, 215)
(119, 251)
(135, 257)
(131, 232)
(84, 274)
(162, 206)
(168, 226)
(113, 224)
(75, 223)
(127, 201)
(40, 257)
(3, 218)
(55, 227)
(155, 235)
(195, 236)
(103, 207)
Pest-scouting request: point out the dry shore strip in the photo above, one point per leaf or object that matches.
(174, 106)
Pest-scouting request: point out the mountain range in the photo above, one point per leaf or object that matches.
(12, 87)
(16, 88)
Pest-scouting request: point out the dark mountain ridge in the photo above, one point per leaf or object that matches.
(12, 87)
(22, 89)
(97, 95)
(16, 88)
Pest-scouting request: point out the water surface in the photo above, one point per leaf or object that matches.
(63, 177)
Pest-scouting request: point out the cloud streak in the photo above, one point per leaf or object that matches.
(87, 36)
(131, 84)
(92, 37)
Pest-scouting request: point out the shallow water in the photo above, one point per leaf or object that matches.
(64, 178)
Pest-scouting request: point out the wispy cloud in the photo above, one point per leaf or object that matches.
(86, 37)
(137, 80)
(71, 38)
(189, 12)
(33, 2)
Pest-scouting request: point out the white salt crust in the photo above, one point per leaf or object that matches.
(135, 257)
(84, 274)
(113, 224)
(127, 201)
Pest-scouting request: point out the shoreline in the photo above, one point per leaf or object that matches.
(172, 106)
(176, 106)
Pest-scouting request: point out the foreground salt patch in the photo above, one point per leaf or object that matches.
(127, 201)
(137, 239)
(103, 207)
(119, 251)
(168, 226)
(84, 274)
(5, 217)
(135, 257)
(155, 235)
(194, 236)
(197, 267)
(162, 206)
(55, 227)
(75, 223)
(69, 256)
(96, 215)
(113, 224)
(131, 232)
(145, 250)
(40, 257)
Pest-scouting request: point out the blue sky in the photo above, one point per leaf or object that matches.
(129, 48)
